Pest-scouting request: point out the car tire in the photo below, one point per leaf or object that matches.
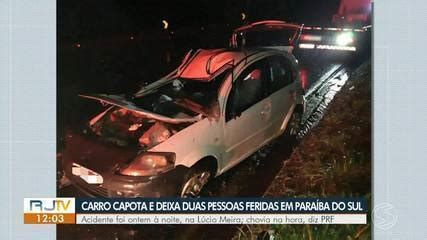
(294, 126)
(194, 182)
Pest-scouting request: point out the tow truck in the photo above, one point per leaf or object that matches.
(349, 31)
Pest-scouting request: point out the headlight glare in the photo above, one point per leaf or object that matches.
(344, 38)
(149, 164)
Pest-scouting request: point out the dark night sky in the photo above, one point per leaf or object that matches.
(99, 18)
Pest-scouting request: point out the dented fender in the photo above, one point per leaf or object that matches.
(120, 101)
(199, 140)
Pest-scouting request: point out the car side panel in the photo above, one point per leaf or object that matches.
(281, 104)
(199, 140)
(246, 133)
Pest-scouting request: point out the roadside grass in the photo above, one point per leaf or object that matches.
(333, 159)
(298, 232)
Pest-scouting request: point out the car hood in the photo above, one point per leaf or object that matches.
(121, 101)
(102, 157)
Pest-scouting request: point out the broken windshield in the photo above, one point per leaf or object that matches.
(182, 95)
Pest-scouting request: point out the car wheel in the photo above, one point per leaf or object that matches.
(194, 182)
(295, 123)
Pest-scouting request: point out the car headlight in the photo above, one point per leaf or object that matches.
(345, 38)
(149, 164)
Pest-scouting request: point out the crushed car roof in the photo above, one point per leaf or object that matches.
(122, 102)
(204, 65)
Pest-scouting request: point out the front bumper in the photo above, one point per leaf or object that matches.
(164, 185)
(105, 159)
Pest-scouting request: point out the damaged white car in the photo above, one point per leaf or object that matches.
(172, 136)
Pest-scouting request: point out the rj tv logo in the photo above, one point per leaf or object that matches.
(57, 205)
(49, 205)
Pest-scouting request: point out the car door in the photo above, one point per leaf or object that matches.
(281, 91)
(248, 113)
